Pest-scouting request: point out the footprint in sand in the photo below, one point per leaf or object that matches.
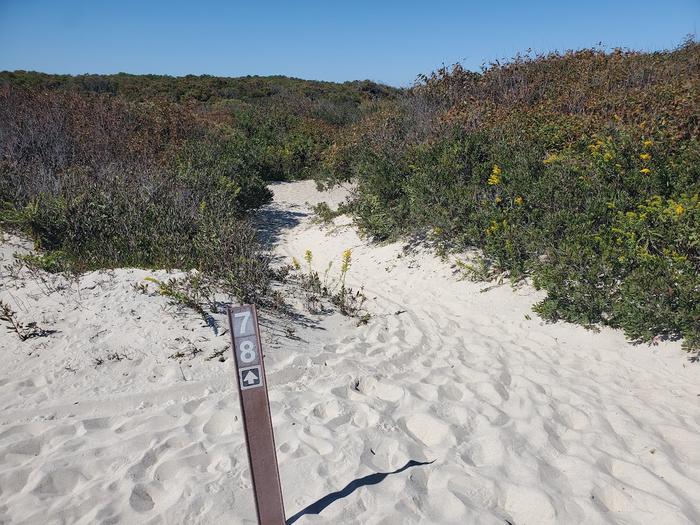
(219, 423)
(328, 410)
(310, 437)
(380, 388)
(487, 450)
(140, 500)
(21, 452)
(450, 392)
(494, 394)
(572, 417)
(191, 406)
(97, 423)
(58, 482)
(427, 429)
(527, 505)
(13, 481)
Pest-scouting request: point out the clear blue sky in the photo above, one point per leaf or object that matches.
(387, 41)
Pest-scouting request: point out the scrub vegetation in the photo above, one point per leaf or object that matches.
(161, 172)
(580, 170)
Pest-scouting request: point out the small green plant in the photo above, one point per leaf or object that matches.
(325, 214)
(8, 315)
(345, 265)
(364, 319)
(51, 262)
(51, 272)
(348, 301)
(23, 331)
(218, 354)
(141, 288)
(185, 291)
(192, 352)
(116, 356)
(479, 270)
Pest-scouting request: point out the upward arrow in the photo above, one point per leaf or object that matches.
(250, 380)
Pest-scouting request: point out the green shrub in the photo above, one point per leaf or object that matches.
(658, 250)
(566, 168)
(325, 214)
(89, 205)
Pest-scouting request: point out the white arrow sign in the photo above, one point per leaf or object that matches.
(250, 378)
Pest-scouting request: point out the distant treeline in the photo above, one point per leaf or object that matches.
(330, 102)
(287, 122)
(580, 170)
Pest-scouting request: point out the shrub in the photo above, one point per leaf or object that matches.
(323, 213)
(566, 168)
(102, 191)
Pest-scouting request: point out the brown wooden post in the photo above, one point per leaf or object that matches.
(255, 405)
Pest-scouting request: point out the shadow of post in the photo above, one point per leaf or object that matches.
(372, 479)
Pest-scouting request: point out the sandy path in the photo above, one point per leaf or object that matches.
(525, 422)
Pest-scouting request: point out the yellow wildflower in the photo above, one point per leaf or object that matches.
(549, 159)
(295, 263)
(493, 228)
(645, 171)
(498, 200)
(308, 256)
(495, 178)
(647, 143)
(645, 156)
(679, 209)
(347, 259)
(519, 200)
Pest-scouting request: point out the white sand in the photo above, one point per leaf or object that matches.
(526, 422)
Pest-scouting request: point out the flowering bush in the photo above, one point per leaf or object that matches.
(578, 170)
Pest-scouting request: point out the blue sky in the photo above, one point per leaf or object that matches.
(388, 41)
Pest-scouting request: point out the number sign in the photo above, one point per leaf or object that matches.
(257, 423)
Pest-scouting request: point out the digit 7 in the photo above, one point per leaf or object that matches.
(246, 317)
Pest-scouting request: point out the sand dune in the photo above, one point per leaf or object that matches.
(507, 419)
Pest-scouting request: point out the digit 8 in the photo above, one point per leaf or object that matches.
(247, 352)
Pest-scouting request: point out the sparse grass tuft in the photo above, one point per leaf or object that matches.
(23, 331)
(316, 288)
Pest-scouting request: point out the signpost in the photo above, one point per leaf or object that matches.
(252, 386)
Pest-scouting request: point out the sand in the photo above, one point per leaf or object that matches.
(126, 410)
